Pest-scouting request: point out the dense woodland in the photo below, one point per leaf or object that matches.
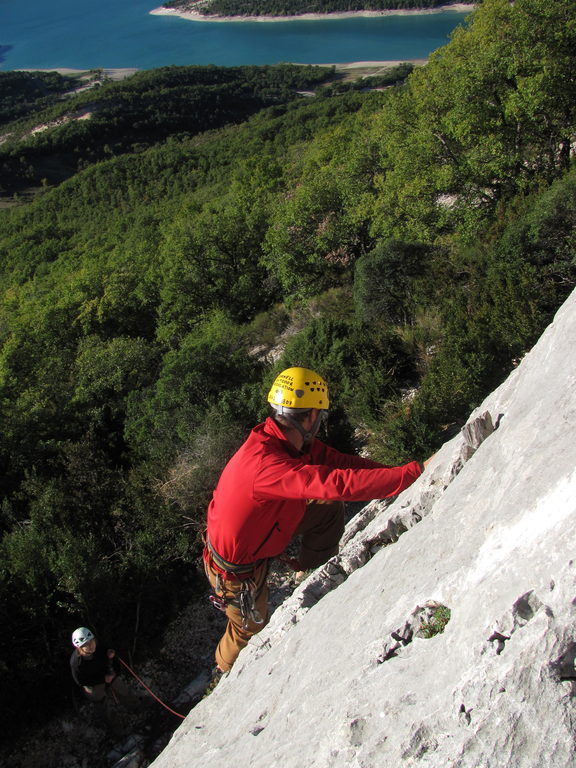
(128, 116)
(296, 7)
(203, 228)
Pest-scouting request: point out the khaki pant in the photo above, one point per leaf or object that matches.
(321, 529)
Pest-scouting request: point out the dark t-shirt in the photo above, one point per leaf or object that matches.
(91, 670)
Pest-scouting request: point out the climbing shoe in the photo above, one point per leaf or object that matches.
(217, 675)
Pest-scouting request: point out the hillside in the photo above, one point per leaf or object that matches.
(201, 229)
(66, 123)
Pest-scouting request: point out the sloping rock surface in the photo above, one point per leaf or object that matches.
(352, 670)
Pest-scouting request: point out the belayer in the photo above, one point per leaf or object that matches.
(95, 669)
(281, 483)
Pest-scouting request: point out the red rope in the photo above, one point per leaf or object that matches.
(148, 689)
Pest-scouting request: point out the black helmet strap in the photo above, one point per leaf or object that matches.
(307, 435)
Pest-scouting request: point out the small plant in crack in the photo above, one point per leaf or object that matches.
(438, 617)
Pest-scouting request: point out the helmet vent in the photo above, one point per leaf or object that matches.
(299, 388)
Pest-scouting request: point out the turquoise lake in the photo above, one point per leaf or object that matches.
(36, 34)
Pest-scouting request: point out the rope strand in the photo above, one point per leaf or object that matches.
(148, 689)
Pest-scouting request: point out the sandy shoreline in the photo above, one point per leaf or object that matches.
(362, 64)
(120, 74)
(197, 16)
(113, 74)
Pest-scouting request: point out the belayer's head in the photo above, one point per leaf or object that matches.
(299, 398)
(83, 639)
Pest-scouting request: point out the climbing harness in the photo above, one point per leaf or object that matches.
(236, 569)
(148, 689)
(245, 601)
(245, 598)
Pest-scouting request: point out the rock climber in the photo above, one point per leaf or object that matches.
(283, 482)
(95, 669)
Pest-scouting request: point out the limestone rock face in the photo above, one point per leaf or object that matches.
(354, 669)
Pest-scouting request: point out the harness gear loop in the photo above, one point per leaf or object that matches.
(247, 600)
(218, 600)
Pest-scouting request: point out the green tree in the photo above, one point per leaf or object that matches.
(478, 123)
(385, 282)
(195, 377)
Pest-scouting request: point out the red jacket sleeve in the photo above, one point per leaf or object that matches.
(294, 479)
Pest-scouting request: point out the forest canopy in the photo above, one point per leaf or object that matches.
(203, 228)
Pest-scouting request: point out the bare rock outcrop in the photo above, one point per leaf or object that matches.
(444, 633)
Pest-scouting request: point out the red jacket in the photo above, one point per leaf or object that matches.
(262, 492)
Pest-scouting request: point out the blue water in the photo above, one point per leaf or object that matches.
(86, 34)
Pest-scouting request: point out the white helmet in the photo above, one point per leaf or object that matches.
(81, 636)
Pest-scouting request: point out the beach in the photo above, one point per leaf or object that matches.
(197, 16)
(113, 74)
(122, 73)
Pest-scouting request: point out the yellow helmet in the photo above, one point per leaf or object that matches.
(299, 388)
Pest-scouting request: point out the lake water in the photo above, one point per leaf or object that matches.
(83, 34)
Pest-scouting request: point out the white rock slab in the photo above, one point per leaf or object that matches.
(340, 676)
